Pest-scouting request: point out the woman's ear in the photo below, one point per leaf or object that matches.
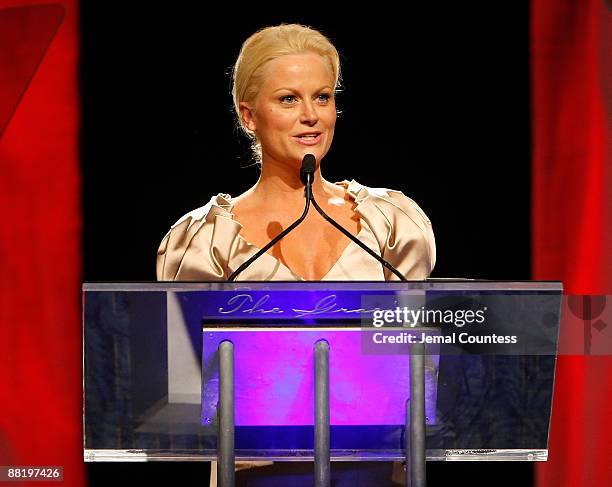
(246, 114)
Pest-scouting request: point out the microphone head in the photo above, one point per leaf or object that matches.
(308, 167)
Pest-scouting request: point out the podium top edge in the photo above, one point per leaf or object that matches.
(429, 284)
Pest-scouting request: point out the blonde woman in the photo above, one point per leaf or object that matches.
(284, 85)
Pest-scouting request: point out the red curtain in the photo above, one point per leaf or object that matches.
(572, 216)
(40, 255)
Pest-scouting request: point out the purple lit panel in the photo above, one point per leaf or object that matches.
(274, 374)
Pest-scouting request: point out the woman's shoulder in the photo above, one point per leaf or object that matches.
(191, 235)
(402, 228)
(221, 201)
(389, 200)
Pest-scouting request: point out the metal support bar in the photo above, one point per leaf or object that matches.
(415, 419)
(321, 440)
(407, 436)
(226, 454)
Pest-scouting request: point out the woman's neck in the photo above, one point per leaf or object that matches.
(281, 184)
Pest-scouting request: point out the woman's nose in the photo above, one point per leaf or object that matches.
(309, 113)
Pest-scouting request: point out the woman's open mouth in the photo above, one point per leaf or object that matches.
(309, 138)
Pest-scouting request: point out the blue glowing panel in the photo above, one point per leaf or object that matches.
(274, 378)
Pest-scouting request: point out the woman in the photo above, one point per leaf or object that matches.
(284, 85)
(285, 80)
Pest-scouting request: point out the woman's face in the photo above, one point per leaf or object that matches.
(294, 113)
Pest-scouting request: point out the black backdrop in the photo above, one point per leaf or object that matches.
(435, 103)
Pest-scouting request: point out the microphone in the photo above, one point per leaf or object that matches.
(306, 176)
(308, 168)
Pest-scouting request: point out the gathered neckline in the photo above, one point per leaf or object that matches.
(353, 189)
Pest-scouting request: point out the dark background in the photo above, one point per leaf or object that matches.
(435, 103)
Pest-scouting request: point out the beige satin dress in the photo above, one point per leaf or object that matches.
(206, 244)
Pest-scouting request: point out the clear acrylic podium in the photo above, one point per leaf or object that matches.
(154, 360)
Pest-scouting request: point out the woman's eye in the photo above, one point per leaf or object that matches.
(287, 99)
(324, 97)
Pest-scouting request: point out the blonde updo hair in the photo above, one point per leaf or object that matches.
(265, 45)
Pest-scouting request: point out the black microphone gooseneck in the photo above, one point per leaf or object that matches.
(306, 175)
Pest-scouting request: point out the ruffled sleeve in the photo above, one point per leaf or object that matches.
(401, 228)
(198, 246)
